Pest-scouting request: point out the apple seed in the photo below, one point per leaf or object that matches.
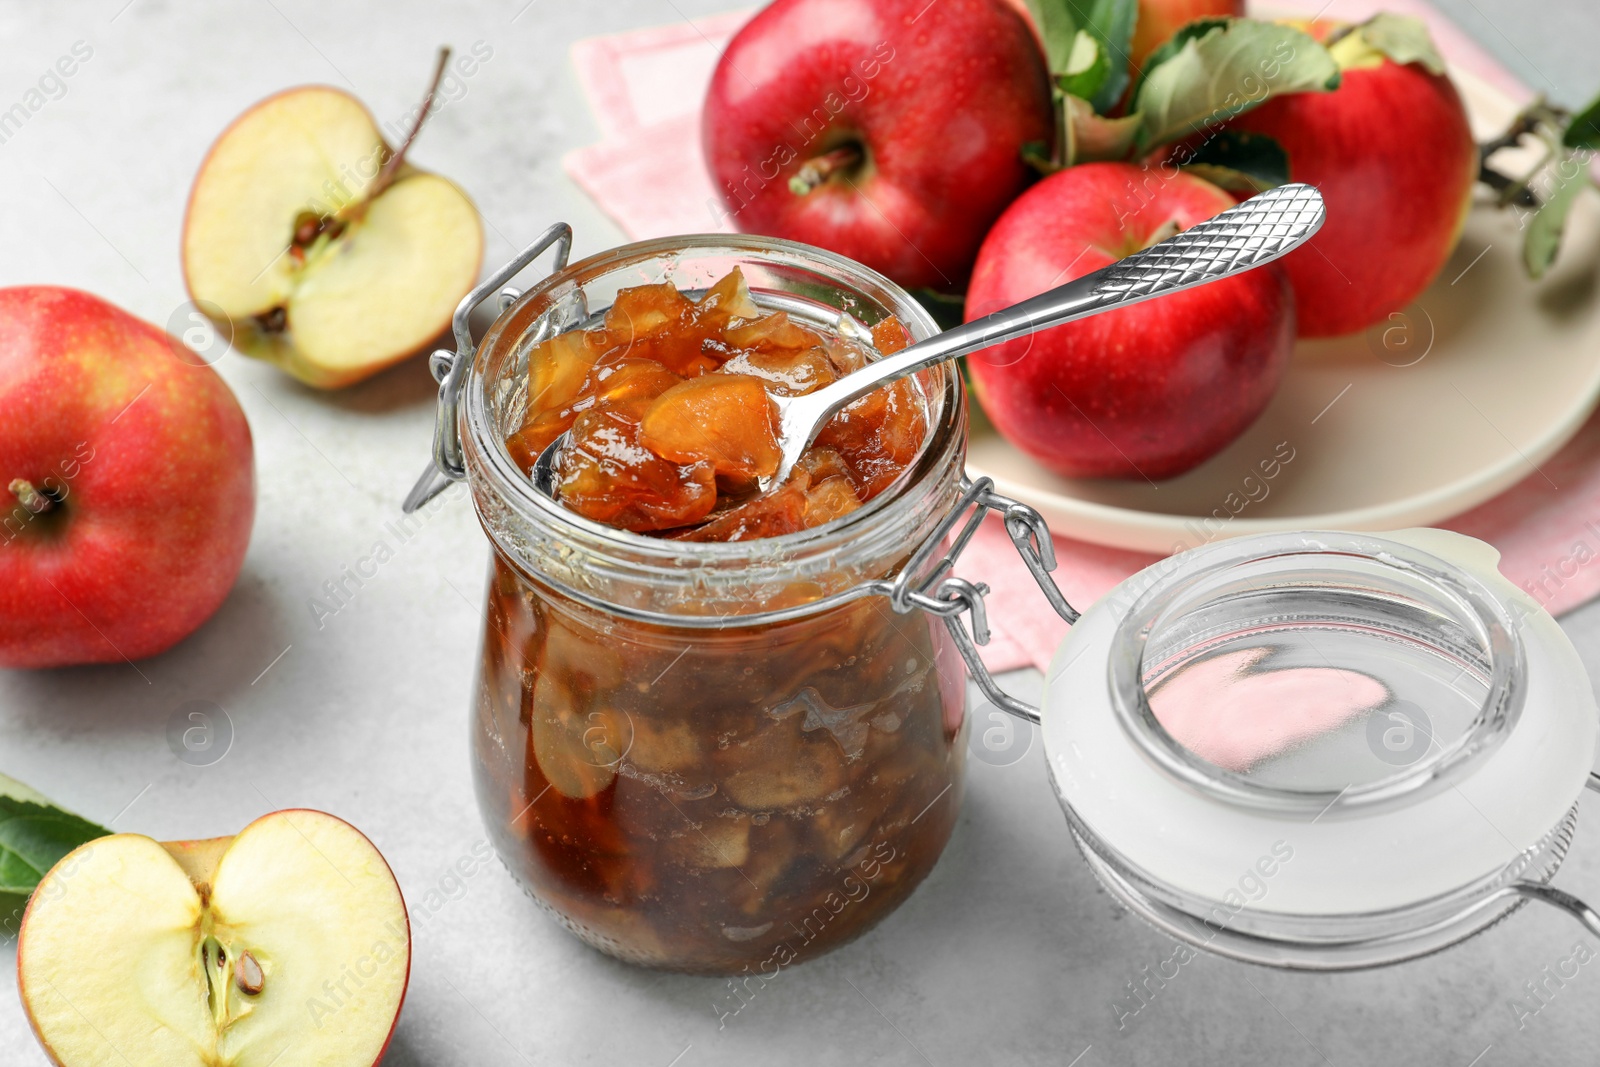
(248, 976)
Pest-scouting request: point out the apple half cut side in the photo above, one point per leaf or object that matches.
(283, 240)
(286, 944)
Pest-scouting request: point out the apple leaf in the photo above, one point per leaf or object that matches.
(1108, 24)
(1057, 21)
(1092, 137)
(1174, 44)
(1402, 38)
(1224, 70)
(1584, 129)
(1111, 23)
(1542, 241)
(1087, 68)
(1239, 161)
(34, 835)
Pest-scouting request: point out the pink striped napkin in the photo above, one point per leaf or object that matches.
(646, 88)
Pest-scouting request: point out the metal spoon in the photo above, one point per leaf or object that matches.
(1255, 232)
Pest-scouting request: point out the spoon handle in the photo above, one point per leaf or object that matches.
(1255, 232)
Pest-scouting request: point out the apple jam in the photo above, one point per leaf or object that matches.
(696, 742)
(672, 429)
(713, 801)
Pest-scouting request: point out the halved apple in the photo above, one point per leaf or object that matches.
(287, 944)
(319, 260)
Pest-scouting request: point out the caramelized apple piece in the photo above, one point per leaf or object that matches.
(829, 500)
(607, 383)
(726, 302)
(644, 309)
(725, 420)
(878, 436)
(821, 463)
(782, 511)
(889, 336)
(557, 371)
(786, 373)
(657, 322)
(608, 476)
(773, 332)
(625, 382)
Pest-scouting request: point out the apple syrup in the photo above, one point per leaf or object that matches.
(672, 429)
(716, 801)
(726, 800)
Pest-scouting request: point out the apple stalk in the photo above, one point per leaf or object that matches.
(35, 500)
(814, 171)
(312, 227)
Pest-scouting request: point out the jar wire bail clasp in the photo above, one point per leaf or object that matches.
(1560, 898)
(926, 583)
(449, 368)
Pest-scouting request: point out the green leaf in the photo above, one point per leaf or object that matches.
(1225, 71)
(1058, 29)
(1403, 39)
(1584, 129)
(1087, 68)
(1092, 137)
(1111, 23)
(1174, 44)
(1238, 160)
(34, 835)
(1542, 240)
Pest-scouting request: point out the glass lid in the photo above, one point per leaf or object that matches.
(1307, 676)
(1320, 749)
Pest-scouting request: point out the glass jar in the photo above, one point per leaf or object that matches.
(724, 756)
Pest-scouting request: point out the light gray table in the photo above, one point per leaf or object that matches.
(1008, 954)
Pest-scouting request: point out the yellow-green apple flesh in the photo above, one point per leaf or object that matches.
(127, 483)
(287, 944)
(1392, 154)
(283, 241)
(1143, 392)
(889, 131)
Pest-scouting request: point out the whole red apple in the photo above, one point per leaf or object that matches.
(1147, 391)
(1159, 19)
(127, 483)
(1392, 153)
(889, 131)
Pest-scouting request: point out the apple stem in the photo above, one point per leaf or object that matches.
(814, 171)
(391, 168)
(1167, 229)
(31, 498)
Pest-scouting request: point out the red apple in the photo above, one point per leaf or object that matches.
(889, 131)
(127, 481)
(1143, 392)
(1393, 156)
(1159, 19)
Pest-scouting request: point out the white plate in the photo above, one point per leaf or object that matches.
(1422, 417)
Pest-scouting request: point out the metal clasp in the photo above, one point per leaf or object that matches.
(449, 369)
(926, 583)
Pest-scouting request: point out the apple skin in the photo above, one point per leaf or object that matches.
(1148, 391)
(155, 459)
(1393, 155)
(940, 98)
(1159, 19)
